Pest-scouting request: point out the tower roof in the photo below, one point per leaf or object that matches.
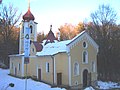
(50, 38)
(28, 15)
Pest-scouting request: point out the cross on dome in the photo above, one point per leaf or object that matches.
(28, 4)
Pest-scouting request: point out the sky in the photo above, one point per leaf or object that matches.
(59, 12)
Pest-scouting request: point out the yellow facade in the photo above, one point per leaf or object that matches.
(40, 63)
(49, 68)
(16, 67)
(76, 53)
(61, 61)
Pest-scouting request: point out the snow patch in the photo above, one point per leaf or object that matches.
(89, 88)
(108, 85)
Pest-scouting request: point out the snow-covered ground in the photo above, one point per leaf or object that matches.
(89, 88)
(108, 85)
(5, 80)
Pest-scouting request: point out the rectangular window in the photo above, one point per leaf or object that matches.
(19, 66)
(47, 67)
(93, 66)
(12, 65)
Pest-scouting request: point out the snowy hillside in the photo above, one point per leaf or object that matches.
(5, 80)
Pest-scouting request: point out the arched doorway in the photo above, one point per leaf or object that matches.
(85, 74)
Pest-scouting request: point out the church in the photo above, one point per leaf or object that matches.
(69, 63)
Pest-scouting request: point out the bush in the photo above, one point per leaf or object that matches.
(3, 66)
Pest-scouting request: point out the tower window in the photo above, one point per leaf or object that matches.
(31, 29)
(23, 29)
(33, 49)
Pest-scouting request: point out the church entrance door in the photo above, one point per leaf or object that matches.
(85, 76)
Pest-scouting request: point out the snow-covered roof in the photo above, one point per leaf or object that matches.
(53, 48)
(62, 46)
(56, 47)
(76, 37)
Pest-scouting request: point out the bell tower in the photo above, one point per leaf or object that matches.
(28, 21)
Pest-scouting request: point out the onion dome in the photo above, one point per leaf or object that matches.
(28, 16)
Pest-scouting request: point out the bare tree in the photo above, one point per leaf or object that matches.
(0, 1)
(104, 20)
(9, 18)
(8, 21)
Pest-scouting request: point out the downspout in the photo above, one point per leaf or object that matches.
(69, 65)
(53, 67)
(69, 68)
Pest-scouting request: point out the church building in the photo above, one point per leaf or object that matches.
(69, 63)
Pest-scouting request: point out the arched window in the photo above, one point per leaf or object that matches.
(76, 68)
(32, 49)
(31, 29)
(85, 57)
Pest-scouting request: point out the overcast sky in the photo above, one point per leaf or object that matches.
(59, 12)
